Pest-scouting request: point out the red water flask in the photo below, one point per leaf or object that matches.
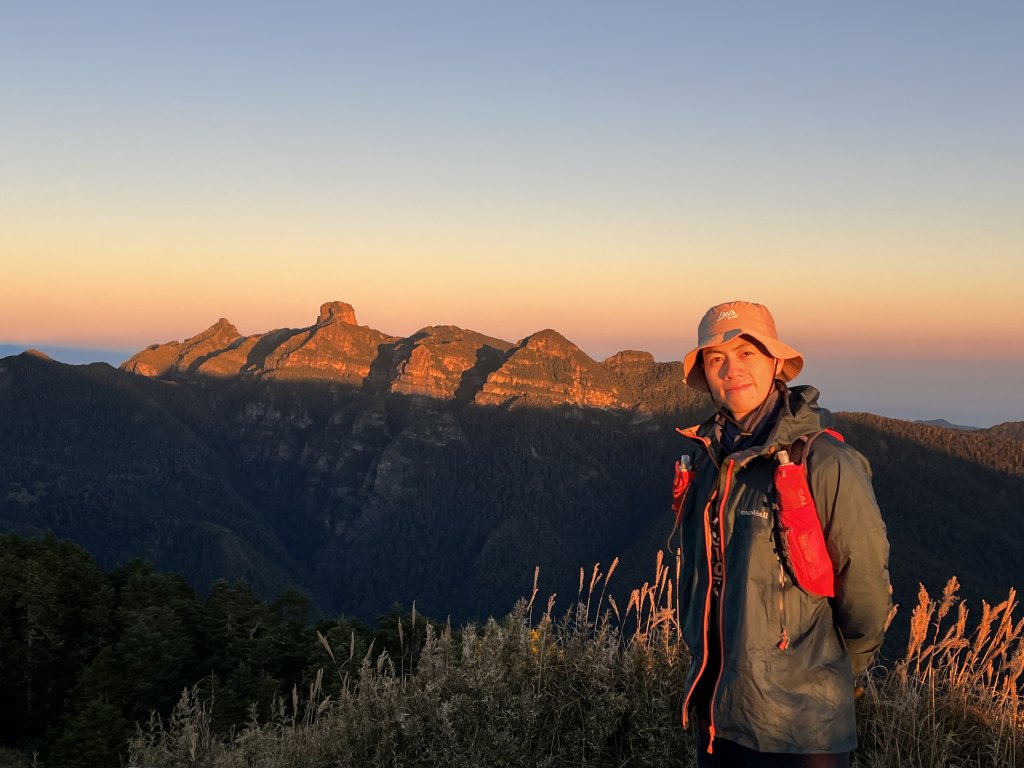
(680, 484)
(803, 542)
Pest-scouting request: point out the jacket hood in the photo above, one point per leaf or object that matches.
(801, 415)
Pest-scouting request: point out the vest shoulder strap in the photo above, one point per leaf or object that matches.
(798, 448)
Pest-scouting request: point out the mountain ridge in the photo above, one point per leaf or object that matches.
(444, 362)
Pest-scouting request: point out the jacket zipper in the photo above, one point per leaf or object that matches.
(783, 643)
(707, 607)
(721, 607)
(692, 434)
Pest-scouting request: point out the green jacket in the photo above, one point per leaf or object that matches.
(799, 699)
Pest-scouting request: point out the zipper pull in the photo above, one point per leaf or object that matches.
(783, 643)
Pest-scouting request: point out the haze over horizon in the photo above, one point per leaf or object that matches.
(609, 172)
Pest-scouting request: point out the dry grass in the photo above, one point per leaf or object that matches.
(599, 686)
(576, 688)
(955, 698)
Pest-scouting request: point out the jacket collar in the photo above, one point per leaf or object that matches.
(800, 415)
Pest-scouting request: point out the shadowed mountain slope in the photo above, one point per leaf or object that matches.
(367, 469)
(91, 454)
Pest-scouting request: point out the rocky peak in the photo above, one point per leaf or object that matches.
(547, 369)
(336, 312)
(444, 361)
(223, 325)
(551, 343)
(219, 335)
(182, 357)
(629, 361)
(335, 348)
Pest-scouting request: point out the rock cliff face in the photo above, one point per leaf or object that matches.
(438, 362)
(547, 369)
(184, 357)
(334, 348)
(443, 362)
(244, 355)
(649, 385)
(630, 362)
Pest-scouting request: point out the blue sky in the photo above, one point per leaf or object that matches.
(609, 170)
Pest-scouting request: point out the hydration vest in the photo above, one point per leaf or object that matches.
(802, 542)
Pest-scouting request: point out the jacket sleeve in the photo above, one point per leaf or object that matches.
(857, 544)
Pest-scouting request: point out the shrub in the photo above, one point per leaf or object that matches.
(598, 687)
(573, 689)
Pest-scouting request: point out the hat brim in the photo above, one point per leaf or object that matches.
(693, 372)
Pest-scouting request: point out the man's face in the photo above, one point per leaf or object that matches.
(739, 375)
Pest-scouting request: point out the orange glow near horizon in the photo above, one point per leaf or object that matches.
(126, 316)
(84, 286)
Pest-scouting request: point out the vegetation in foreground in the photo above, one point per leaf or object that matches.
(557, 691)
(90, 659)
(597, 688)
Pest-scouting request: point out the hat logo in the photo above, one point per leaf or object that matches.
(729, 314)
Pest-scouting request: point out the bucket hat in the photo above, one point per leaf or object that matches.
(724, 322)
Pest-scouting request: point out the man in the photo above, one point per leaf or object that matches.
(774, 662)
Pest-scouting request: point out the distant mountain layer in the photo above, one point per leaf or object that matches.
(439, 468)
(70, 355)
(946, 424)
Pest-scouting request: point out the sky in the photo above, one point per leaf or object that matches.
(609, 170)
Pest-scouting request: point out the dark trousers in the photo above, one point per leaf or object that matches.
(728, 754)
